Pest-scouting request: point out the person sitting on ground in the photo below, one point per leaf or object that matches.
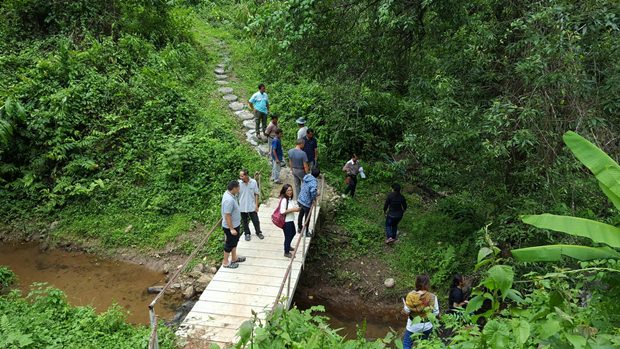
(309, 192)
(231, 221)
(288, 209)
(248, 203)
(311, 149)
(394, 208)
(419, 305)
(298, 162)
(276, 157)
(303, 130)
(351, 169)
(457, 297)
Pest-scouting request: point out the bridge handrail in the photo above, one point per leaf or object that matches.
(153, 340)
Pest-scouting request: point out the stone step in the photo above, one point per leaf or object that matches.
(225, 90)
(221, 82)
(236, 106)
(245, 115)
(230, 98)
(221, 76)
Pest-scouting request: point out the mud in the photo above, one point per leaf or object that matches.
(89, 280)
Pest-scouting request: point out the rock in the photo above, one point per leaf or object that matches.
(221, 82)
(230, 98)
(189, 292)
(200, 268)
(213, 270)
(389, 282)
(176, 286)
(128, 229)
(235, 106)
(202, 283)
(221, 77)
(53, 225)
(252, 140)
(154, 289)
(249, 124)
(225, 90)
(44, 246)
(219, 70)
(221, 65)
(245, 115)
(263, 149)
(167, 268)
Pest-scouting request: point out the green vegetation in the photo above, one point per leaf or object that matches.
(44, 319)
(7, 277)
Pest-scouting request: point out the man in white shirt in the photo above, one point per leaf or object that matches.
(303, 130)
(248, 204)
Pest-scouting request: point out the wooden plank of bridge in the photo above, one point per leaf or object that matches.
(233, 294)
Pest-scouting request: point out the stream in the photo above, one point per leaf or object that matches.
(89, 279)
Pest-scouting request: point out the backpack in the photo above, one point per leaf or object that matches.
(420, 303)
(278, 218)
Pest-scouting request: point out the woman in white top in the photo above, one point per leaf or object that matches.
(420, 303)
(288, 207)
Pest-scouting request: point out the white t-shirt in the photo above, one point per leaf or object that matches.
(290, 217)
(302, 132)
(421, 326)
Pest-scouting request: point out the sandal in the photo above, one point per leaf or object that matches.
(239, 259)
(288, 255)
(231, 265)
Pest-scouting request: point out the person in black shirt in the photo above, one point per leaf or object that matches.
(394, 209)
(457, 297)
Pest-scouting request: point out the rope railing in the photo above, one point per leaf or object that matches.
(153, 340)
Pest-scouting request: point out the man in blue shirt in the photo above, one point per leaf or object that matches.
(311, 148)
(309, 192)
(277, 156)
(259, 103)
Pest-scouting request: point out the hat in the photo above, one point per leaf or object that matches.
(301, 121)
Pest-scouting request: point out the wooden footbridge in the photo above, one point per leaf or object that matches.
(265, 279)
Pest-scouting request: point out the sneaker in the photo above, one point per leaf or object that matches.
(309, 234)
(248, 237)
(388, 240)
(239, 260)
(231, 265)
(261, 236)
(288, 255)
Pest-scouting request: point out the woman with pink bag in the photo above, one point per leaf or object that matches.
(287, 208)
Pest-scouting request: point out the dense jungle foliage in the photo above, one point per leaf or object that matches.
(106, 122)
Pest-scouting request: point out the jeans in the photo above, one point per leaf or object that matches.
(275, 170)
(245, 217)
(300, 218)
(289, 234)
(408, 342)
(258, 118)
(352, 185)
(298, 176)
(391, 227)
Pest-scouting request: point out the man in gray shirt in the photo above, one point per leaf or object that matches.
(298, 161)
(231, 221)
(248, 203)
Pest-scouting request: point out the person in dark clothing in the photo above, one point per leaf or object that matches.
(394, 209)
(457, 297)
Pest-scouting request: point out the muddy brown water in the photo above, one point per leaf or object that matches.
(89, 280)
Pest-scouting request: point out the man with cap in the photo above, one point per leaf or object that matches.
(259, 104)
(303, 130)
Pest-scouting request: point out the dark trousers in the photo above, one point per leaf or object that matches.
(260, 117)
(391, 226)
(289, 234)
(408, 342)
(245, 218)
(300, 218)
(352, 185)
(231, 240)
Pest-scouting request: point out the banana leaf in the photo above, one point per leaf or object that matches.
(597, 231)
(604, 168)
(552, 253)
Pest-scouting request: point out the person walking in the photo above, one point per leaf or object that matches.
(351, 169)
(259, 104)
(298, 163)
(288, 209)
(270, 131)
(394, 208)
(311, 149)
(303, 130)
(248, 204)
(231, 221)
(309, 192)
(419, 304)
(276, 156)
(457, 297)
